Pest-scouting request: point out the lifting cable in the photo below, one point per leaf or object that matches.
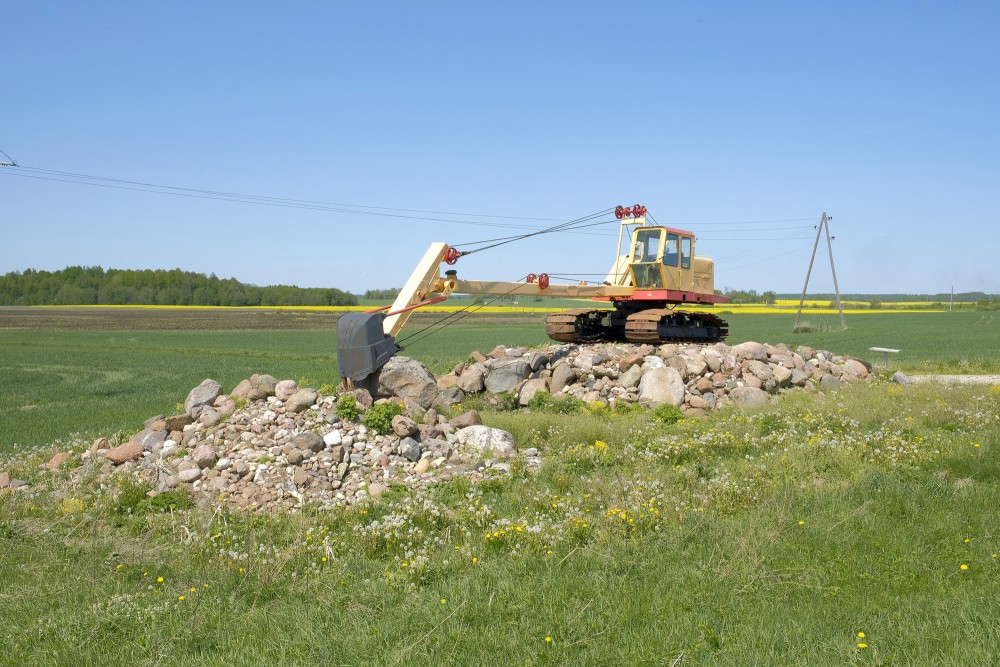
(577, 223)
(435, 327)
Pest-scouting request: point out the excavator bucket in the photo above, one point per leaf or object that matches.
(363, 347)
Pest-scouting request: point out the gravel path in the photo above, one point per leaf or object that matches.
(958, 379)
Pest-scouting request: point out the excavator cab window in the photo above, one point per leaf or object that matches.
(670, 251)
(685, 252)
(647, 244)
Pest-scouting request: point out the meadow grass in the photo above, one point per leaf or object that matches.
(93, 372)
(757, 537)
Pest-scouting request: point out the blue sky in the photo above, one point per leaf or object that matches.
(742, 122)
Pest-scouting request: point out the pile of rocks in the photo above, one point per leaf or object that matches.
(275, 445)
(694, 378)
(287, 446)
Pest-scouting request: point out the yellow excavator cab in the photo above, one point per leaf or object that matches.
(661, 258)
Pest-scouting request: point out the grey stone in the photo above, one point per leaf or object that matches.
(799, 377)
(258, 386)
(505, 374)
(409, 449)
(403, 426)
(209, 417)
(294, 457)
(202, 397)
(189, 475)
(152, 440)
(901, 378)
(631, 377)
(660, 386)
(763, 372)
(782, 375)
(748, 396)
(472, 379)
(487, 440)
(301, 400)
(408, 379)
(450, 396)
(530, 388)
(309, 440)
(562, 375)
(750, 350)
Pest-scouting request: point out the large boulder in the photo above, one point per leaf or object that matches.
(301, 400)
(782, 375)
(505, 374)
(661, 385)
(530, 388)
(202, 397)
(256, 387)
(471, 379)
(631, 377)
(749, 396)
(562, 375)
(488, 441)
(408, 379)
(763, 373)
(128, 452)
(750, 350)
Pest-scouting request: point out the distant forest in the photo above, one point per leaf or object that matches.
(92, 285)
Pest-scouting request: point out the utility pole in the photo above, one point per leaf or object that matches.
(952, 302)
(12, 163)
(824, 226)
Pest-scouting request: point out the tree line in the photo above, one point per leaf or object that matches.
(92, 285)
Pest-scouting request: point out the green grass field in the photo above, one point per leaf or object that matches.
(770, 537)
(94, 372)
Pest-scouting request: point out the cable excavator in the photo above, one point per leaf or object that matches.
(655, 270)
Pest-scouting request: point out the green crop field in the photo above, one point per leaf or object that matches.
(96, 371)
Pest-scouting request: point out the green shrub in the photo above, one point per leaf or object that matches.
(546, 402)
(627, 408)
(667, 414)
(506, 401)
(327, 389)
(169, 501)
(378, 419)
(347, 407)
(132, 498)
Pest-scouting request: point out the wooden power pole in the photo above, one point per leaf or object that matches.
(824, 226)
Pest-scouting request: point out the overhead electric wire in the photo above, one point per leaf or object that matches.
(237, 195)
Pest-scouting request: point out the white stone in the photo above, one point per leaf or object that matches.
(333, 438)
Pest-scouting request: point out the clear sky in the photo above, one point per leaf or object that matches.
(741, 121)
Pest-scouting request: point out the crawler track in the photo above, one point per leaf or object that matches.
(651, 326)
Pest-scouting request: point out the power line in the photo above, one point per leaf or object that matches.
(237, 195)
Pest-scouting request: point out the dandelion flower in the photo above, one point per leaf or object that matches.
(548, 640)
(802, 523)
(967, 540)
(181, 598)
(963, 567)
(862, 645)
(443, 601)
(194, 590)
(861, 635)
(159, 580)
